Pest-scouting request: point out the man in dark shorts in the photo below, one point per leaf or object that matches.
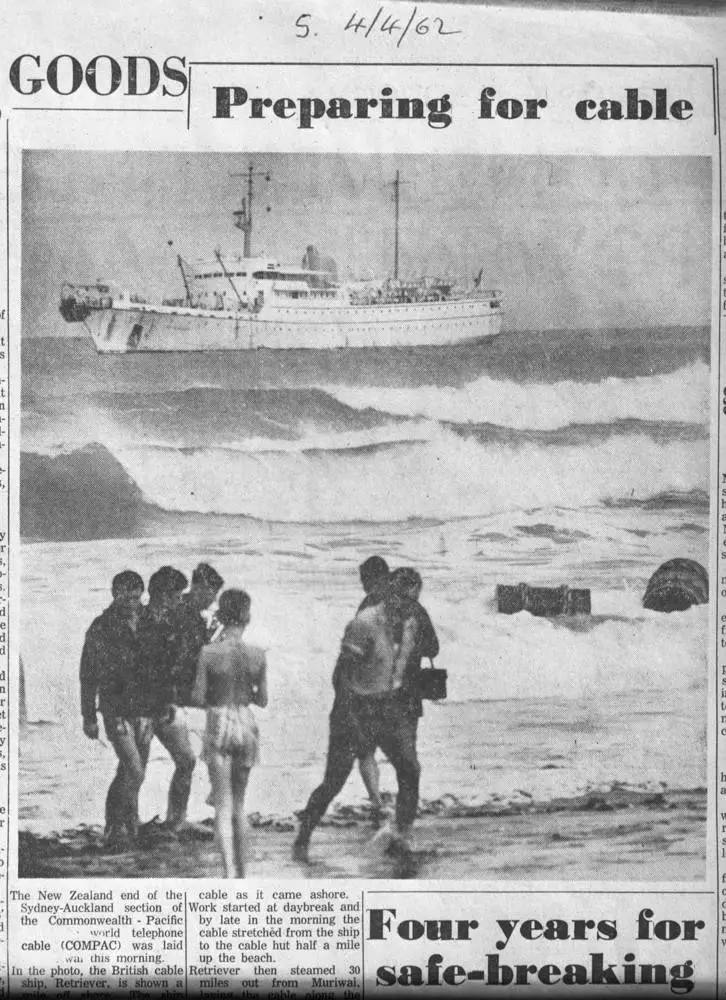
(161, 652)
(109, 676)
(195, 632)
(372, 709)
(374, 574)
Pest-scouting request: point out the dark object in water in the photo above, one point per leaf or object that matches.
(676, 585)
(545, 602)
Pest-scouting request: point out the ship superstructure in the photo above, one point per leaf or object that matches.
(239, 302)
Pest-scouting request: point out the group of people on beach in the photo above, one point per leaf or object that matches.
(142, 662)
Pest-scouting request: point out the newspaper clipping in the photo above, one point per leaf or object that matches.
(362, 555)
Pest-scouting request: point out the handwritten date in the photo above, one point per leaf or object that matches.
(397, 27)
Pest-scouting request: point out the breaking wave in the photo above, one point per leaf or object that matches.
(439, 478)
(681, 396)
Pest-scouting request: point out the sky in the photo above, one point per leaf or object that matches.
(573, 242)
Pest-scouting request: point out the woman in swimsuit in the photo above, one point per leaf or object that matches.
(230, 677)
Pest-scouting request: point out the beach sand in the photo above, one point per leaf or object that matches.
(618, 836)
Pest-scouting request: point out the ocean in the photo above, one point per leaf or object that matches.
(575, 457)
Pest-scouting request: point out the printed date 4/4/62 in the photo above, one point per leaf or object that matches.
(397, 26)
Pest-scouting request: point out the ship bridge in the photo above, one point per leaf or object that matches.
(237, 282)
(232, 265)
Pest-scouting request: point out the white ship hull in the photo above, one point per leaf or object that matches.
(134, 328)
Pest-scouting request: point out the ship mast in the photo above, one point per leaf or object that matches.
(396, 185)
(243, 216)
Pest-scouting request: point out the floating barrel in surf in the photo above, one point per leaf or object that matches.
(676, 585)
(544, 602)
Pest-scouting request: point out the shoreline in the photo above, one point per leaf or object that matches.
(620, 835)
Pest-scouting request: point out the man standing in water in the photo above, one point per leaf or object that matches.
(162, 648)
(372, 709)
(109, 678)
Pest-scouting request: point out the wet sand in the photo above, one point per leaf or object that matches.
(618, 836)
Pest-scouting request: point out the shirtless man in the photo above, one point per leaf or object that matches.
(374, 575)
(371, 710)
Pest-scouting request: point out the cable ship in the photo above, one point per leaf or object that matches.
(242, 302)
